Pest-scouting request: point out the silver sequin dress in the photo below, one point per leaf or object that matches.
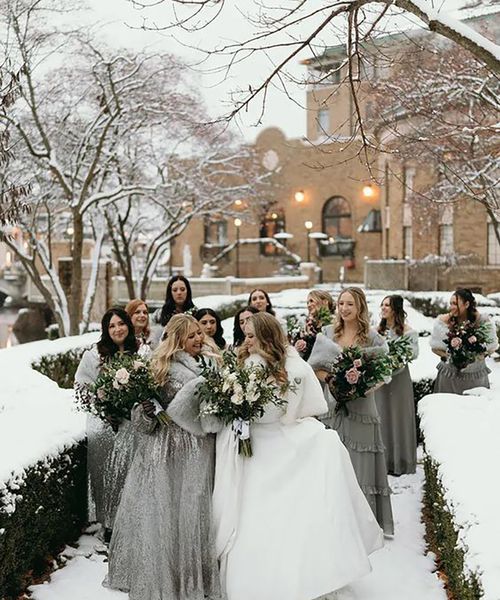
(396, 407)
(162, 546)
(360, 430)
(109, 454)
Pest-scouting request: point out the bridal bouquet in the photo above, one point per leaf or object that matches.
(466, 342)
(122, 382)
(354, 373)
(400, 352)
(238, 395)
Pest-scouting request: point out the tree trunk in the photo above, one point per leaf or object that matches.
(75, 301)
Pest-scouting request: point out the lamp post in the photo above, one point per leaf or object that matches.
(308, 225)
(237, 224)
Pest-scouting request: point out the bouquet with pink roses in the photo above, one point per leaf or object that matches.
(123, 381)
(466, 342)
(354, 373)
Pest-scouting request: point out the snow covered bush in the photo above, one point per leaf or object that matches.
(421, 388)
(41, 509)
(429, 306)
(442, 538)
(61, 368)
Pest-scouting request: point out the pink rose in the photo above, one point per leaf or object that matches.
(472, 339)
(352, 376)
(101, 394)
(357, 363)
(456, 342)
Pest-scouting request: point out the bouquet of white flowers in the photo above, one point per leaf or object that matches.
(239, 394)
(123, 381)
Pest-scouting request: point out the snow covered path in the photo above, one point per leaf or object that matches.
(400, 569)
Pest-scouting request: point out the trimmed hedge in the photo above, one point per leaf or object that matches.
(226, 311)
(61, 367)
(442, 538)
(420, 389)
(40, 511)
(430, 306)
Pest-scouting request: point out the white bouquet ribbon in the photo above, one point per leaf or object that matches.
(241, 428)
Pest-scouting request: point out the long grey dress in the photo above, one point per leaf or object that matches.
(109, 454)
(396, 407)
(162, 546)
(455, 381)
(360, 430)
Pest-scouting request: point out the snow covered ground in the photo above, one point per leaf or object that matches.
(400, 569)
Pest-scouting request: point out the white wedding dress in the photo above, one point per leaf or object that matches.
(291, 521)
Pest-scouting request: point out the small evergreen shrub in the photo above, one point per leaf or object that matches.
(430, 306)
(61, 367)
(226, 311)
(442, 538)
(40, 511)
(420, 389)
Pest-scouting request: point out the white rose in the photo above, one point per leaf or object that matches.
(237, 397)
(137, 365)
(122, 376)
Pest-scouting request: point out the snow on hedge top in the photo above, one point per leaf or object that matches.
(37, 418)
(461, 434)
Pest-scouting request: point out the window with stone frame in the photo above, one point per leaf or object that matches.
(407, 241)
(336, 222)
(445, 240)
(323, 121)
(215, 232)
(493, 246)
(272, 223)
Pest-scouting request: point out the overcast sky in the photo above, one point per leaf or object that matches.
(123, 29)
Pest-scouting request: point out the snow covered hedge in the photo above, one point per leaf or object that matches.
(41, 509)
(462, 449)
(42, 461)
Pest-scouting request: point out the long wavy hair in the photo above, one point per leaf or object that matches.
(272, 344)
(396, 304)
(324, 298)
(219, 332)
(269, 307)
(130, 309)
(176, 335)
(169, 307)
(105, 346)
(363, 316)
(467, 296)
(238, 334)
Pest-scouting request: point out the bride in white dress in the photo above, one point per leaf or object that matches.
(291, 521)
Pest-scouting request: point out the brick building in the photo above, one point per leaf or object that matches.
(353, 212)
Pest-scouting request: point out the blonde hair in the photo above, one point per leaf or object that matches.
(176, 335)
(324, 298)
(363, 316)
(272, 344)
(130, 309)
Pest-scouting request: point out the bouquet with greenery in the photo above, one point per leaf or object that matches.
(294, 326)
(306, 335)
(238, 394)
(123, 381)
(400, 352)
(354, 373)
(319, 319)
(466, 343)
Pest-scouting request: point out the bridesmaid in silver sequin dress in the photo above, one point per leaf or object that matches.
(395, 401)
(359, 430)
(162, 546)
(109, 446)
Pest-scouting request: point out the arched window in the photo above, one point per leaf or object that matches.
(272, 223)
(337, 224)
